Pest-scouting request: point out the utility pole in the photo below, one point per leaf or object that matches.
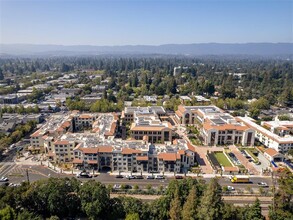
(27, 176)
(273, 181)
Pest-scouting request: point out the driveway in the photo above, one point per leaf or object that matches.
(244, 161)
(264, 163)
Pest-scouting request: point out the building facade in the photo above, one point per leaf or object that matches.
(276, 135)
(215, 126)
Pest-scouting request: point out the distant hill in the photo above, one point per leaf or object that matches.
(262, 49)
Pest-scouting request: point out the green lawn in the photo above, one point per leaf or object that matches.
(195, 141)
(250, 151)
(222, 159)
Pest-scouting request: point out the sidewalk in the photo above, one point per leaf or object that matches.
(243, 160)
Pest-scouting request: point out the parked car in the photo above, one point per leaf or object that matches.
(119, 176)
(230, 188)
(178, 177)
(138, 177)
(130, 177)
(128, 187)
(4, 179)
(160, 177)
(150, 177)
(262, 184)
(116, 186)
(84, 175)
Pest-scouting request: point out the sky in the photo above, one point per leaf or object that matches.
(145, 22)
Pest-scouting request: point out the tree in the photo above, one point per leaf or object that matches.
(7, 213)
(132, 216)
(94, 199)
(160, 208)
(254, 212)
(25, 215)
(175, 207)
(64, 68)
(254, 113)
(284, 117)
(1, 74)
(282, 208)
(211, 202)
(290, 152)
(131, 205)
(189, 211)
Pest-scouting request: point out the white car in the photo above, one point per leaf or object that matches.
(129, 177)
(230, 188)
(160, 177)
(262, 184)
(4, 179)
(117, 186)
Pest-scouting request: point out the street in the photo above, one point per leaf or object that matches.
(20, 173)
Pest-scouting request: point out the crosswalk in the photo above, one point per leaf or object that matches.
(8, 169)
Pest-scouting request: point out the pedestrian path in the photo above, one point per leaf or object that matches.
(19, 170)
(243, 160)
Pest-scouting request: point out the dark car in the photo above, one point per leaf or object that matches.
(178, 177)
(119, 176)
(138, 177)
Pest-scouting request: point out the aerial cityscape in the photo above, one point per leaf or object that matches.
(144, 109)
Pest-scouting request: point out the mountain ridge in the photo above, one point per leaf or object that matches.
(263, 49)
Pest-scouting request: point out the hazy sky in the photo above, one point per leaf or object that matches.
(151, 22)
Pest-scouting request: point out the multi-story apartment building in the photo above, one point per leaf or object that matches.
(136, 156)
(56, 126)
(150, 149)
(216, 127)
(129, 112)
(83, 120)
(276, 134)
(63, 150)
(151, 127)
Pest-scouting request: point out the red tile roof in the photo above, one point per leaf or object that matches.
(36, 134)
(77, 161)
(190, 146)
(272, 152)
(88, 150)
(105, 149)
(168, 156)
(142, 158)
(61, 142)
(85, 116)
(130, 151)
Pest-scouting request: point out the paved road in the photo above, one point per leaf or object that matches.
(7, 163)
(18, 173)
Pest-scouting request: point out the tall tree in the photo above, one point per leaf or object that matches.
(189, 211)
(7, 213)
(175, 206)
(94, 199)
(1, 74)
(254, 212)
(282, 207)
(211, 202)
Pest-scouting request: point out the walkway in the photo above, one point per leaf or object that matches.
(244, 161)
(202, 159)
